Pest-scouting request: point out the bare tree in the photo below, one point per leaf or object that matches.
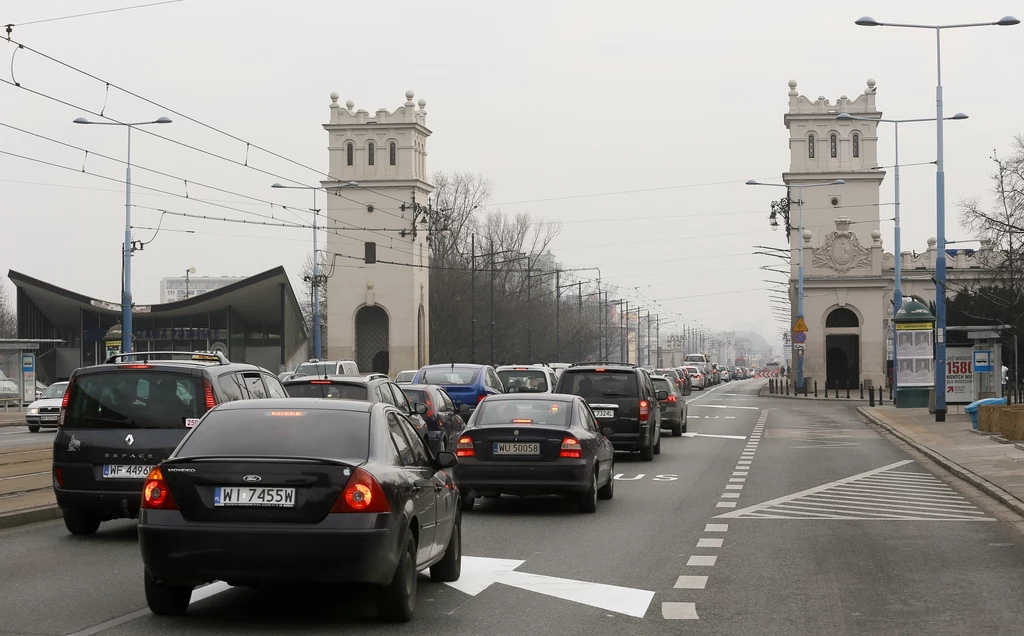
(8, 315)
(306, 296)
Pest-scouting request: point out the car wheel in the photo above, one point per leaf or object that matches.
(683, 429)
(468, 501)
(607, 491)
(33, 428)
(81, 522)
(677, 430)
(449, 568)
(657, 445)
(166, 600)
(398, 599)
(587, 501)
(647, 453)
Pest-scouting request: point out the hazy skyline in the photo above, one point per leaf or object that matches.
(672, 105)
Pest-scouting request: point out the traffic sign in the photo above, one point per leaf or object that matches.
(798, 347)
(800, 325)
(800, 337)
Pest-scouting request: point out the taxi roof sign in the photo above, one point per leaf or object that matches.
(800, 325)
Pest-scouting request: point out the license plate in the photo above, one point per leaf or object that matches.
(47, 418)
(516, 448)
(125, 471)
(249, 496)
(604, 413)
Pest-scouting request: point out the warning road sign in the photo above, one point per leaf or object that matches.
(800, 325)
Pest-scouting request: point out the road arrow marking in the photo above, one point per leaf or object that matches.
(479, 573)
(709, 435)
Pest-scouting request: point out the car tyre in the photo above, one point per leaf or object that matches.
(166, 600)
(677, 429)
(81, 522)
(398, 599)
(647, 453)
(683, 429)
(587, 501)
(449, 568)
(468, 501)
(657, 445)
(607, 491)
(33, 428)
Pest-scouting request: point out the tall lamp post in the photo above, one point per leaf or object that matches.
(317, 281)
(940, 199)
(188, 272)
(800, 237)
(897, 293)
(126, 280)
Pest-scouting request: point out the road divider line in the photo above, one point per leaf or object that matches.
(679, 611)
(716, 527)
(709, 543)
(702, 561)
(691, 583)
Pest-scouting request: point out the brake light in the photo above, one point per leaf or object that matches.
(599, 370)
(645, 410)
(59, 476)
(211, 399)
(671, 398)
(362, 493)
(465, 447)
(480, 398)
(135, 366)
(430, 407)
(319, 381)
(155, 494)
(64, 402)
(571, 448)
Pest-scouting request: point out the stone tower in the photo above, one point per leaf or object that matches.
(378, 314)
(844, 289)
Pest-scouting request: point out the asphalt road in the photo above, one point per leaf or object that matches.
(827, 528)
(18, 436)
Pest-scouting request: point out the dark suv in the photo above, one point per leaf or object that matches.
(624, 402)
(120, 419)
(369, 388)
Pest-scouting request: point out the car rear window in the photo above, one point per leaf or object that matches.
(524, 381)
(140, 398)
(449, 376)
(416, 395)
(600, 384)
(318, 390)
(316, 368)
(522, 413)
(405, 376)
(661, 384)
(293, 432)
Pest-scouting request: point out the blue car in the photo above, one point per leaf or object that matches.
(466, 384)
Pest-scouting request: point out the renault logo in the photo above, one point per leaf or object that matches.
(515, 432)
(251, 478)
(129, 440)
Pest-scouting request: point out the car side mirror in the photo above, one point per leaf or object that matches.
(447, 459)
(420, 408)
(607, 430)
(463, 409)
(662, 395)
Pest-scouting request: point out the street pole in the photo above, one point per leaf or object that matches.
(126, 292)
(317, 345)
(558, 312)
(800, 281)
(492, 304)
(579, 329)
(472, 297)
(648, 336)
(529, 320)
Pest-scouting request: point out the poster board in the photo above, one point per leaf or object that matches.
(916, 358)
(959, 375)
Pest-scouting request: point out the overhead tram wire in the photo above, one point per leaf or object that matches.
(91, 13)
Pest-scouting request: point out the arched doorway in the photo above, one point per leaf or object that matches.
(372, 328)
(842, 349)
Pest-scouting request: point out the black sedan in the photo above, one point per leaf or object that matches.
(289, 490)
(444, 420)
(524, 444)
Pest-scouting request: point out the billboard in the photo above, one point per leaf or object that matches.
(959, 375)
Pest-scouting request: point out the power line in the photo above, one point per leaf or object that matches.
(83, 15)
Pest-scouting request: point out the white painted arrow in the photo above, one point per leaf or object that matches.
(479, 573)
(709, 435)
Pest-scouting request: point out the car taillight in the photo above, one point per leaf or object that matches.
(211, 399)
(362, 493)
(465, 447)
(155, 493)
(319, 381)
(64, 401)
(59, 477)
(645, 410)
(480, 398)
(671, 398)
(571, 448)
(430, 407)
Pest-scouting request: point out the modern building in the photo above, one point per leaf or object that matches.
(379, 314)
(255, 320)
(175, 288)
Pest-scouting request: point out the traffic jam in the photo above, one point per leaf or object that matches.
(326, 475)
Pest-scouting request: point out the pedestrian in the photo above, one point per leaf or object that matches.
(1006, 375)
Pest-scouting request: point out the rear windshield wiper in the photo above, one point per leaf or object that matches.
(616, 395)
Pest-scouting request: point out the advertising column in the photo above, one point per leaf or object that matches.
(915, 375)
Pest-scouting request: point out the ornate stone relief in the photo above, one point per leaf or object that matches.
(841, 250)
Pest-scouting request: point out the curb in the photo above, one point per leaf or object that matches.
(810, 398)
(978, 482)
(31, 515)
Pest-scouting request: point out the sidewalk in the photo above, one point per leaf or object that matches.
(997, 469)
(12, 418)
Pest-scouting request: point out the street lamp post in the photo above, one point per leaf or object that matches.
(189, 271)
(800, 248)
(317, 345)
(897, 294)
(126, 279)
(940, 200)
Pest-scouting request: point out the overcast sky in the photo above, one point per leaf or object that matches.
(547, 99)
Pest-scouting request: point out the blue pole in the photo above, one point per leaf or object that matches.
(897, 296)
(316, 289)
(126, 293)
(800, 280)
(940, 237)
